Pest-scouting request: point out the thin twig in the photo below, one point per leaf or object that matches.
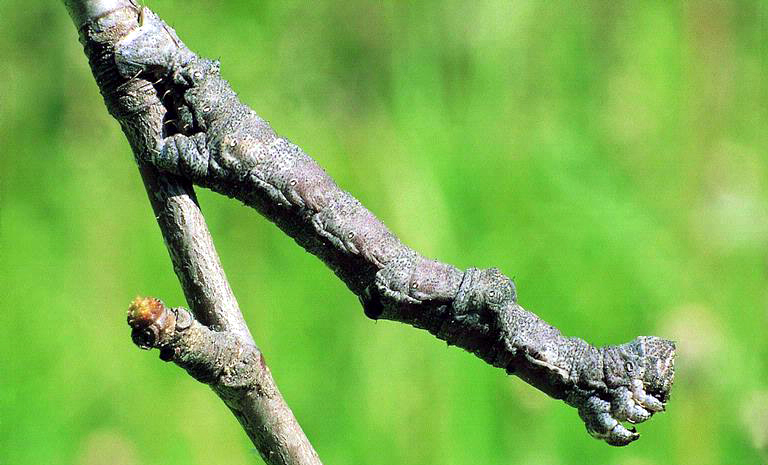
(265, 416)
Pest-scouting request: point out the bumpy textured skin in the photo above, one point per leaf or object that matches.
(607, 385)
(218, 142)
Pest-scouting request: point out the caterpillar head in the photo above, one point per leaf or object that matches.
(638, 377)
(658, 365)
(648, 361)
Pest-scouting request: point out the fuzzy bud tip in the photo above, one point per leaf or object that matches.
(144, 311)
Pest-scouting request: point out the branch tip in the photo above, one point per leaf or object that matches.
(151, 322)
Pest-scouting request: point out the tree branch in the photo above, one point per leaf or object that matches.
(234, 369)
(262, 412)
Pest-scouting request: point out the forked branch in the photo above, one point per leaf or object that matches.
(257, 404)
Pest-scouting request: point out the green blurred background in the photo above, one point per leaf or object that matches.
(611, 156)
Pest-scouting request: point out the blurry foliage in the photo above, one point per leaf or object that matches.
(609, 155)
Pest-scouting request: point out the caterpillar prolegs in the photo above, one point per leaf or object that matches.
(218, 142)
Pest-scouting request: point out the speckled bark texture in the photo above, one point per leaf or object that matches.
(234, 369)
(211, 356)
(214, 140)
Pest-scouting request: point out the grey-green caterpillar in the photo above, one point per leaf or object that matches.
(218, 142)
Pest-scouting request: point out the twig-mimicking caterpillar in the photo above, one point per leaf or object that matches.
(222, 144)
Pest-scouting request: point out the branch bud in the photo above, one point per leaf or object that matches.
(151, 322)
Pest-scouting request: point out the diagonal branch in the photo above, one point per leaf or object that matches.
(233, 368)
(265, 416)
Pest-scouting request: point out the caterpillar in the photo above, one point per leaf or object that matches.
(220, 143)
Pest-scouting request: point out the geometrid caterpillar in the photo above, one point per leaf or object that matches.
(216, 141)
